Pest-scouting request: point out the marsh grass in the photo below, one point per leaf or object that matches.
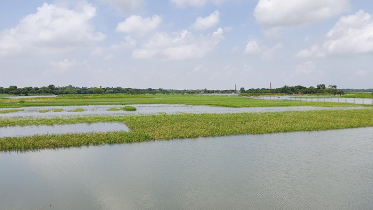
(44, 111)
(123, 99)
(357, 95)
(11, 111)
(128, 108)
(163, 127)
(57, 110)
(113, 109)
(77, 110)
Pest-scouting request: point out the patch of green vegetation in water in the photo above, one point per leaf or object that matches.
(163, 127)
(11, 111)
(77, 110)
(57, 110)
(44, 111)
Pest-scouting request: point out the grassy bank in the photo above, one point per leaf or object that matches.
(123, 99)
(163, 127)
(357, 95)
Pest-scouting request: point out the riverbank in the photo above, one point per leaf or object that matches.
(164, 127)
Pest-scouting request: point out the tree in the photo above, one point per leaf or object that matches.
(242, 90)
(98, 90)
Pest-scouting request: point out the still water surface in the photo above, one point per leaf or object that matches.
(60, 129)
(301, 170)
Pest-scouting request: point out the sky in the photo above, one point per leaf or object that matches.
(186, 44)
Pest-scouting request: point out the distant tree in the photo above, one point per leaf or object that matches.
(242, 90)
(321, 87)
(98, 90)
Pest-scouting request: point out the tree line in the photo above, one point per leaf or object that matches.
(299, 89)
(52, 89)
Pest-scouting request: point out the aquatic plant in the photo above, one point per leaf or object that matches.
(57, 110)
(162, 127)
(128, 108)
(11, 111)
(77, 110)
(44, 111)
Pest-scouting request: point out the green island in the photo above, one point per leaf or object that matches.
(177, 126)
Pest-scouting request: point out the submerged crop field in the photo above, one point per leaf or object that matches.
(124, 99)
(163, 127)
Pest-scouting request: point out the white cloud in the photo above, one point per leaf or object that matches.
(307, 52)
(361, 73)
(276, 14)
(206, 22)
(139, 25)
(178, 46)
(351, 35)
(64, 66)
(51, 29)
(254, 48)
(125, 6)
(195, 3)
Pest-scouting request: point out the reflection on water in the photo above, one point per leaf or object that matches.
(150, 109)
(302, 170)
(60, 129)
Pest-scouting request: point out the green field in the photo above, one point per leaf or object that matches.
(357, 95)
(163, 127)
(123, 99)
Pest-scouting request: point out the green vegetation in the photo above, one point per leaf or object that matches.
(77, 110)
(57, 110)
(358, 95)
(129, 108)
(163, 127)
(44, 111)
(11, 111)
(124, 99)
(125, 108)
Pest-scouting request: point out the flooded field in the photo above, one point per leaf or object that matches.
(301, 170)
(18, 131)
(147, 110)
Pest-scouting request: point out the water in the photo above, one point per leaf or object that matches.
(150, 109)
(301, 170)
(60, 129)
(41, 96)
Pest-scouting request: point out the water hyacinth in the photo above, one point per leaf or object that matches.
(162, 127)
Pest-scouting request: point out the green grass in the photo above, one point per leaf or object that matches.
(163, 127)
(77, 110)
(11, 111)
(57, 110)
(123, 99)
(357, 95)
(44, 111)
(128, 108)
(125, 108)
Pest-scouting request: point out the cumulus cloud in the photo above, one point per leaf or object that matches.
(178, 46)
(255, 48)
(206, 22)
(353, 34)
(195, 3)
(139, 25)
(51, 29)
(64, 66)
(124, 6)
(276, 14)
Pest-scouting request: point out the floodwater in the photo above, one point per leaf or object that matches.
(150, 109)
(18, 131)
(321, 99)
(41, 96)
(300, 170)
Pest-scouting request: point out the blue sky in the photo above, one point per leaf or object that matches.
(186, 44)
